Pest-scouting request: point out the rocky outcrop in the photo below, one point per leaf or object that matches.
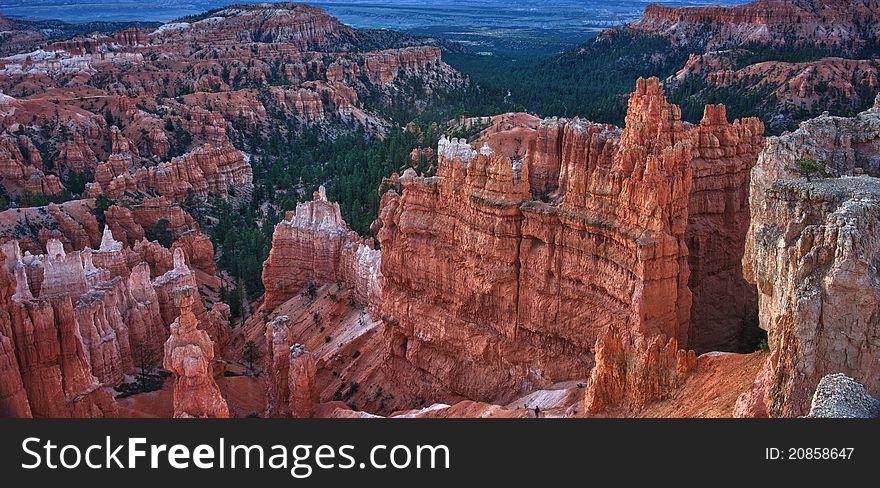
(302, 26)
(215, 324)
(50, 352)
(632, 371)
(109, 256)
(812, 252)
(813, 258)
(63, 273)
(786, 89)
(21, 166)
(188, 355)
(219, 170)
(76, 323)
(608, 246)
(54, 363)
(13, 396)
(314, 246)
(278, 389)
(72, 223)
(112, 309)
(839, 396)
(302, 383)
(183, 93)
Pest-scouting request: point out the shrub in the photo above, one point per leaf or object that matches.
(808, 168)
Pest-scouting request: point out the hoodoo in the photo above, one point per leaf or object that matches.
(188, 355)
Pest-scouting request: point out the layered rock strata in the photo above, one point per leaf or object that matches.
(278, 388)
(302, 382)
(214, 321)
(314, 246)
(76, 323)
(500, 275)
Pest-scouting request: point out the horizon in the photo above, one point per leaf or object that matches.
(562, 15)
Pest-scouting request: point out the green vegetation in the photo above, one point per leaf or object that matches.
(591, 81)
(76, 182)
(693, 94)
(808, 168)
(351, 167)
(102, 203)
(243, 237)
(251, 354)
(145, 358)
(160, 233)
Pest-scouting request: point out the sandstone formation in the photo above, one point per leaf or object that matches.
(811, 251)
(188, 355)
(50, 371)
(221, 171)
(631, 372)
(215, 322)
(785, 88)
(724, 303)
(813, 263)
(314, 246)
(278, 344)
(850, 26)
(500, 276)
(302, 384)
(72, 223)
(751, 56)
(22, 170)
(76, 322)
(13, 396)
(244, 71)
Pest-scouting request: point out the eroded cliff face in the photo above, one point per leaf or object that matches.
(13, 396)
(724, 303)
(633, 371)
(781, 89)
(825, 23)
(814, 262)
(158, 109)
(214, 321)
(812, 252)
(313, 246)
(50, 370)
(509, 293)
(219, 170)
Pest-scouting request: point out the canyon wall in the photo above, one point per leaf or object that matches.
(633, 371)
(219, 170)
(724, 303)
(478, 274)
(853, 24)
(812, 253)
